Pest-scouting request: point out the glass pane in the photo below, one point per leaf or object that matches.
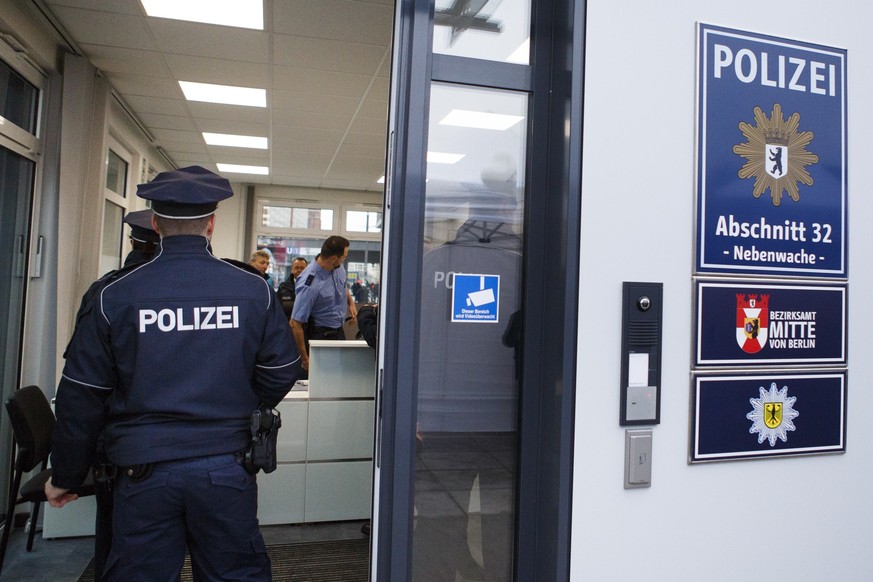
(364, 269)
(493, 30)
(116, 174)
(362, 221)
(110, 254)
(276, 216)
(16, 186)
(467, 386)
(18, 99)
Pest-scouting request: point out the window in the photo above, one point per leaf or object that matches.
(279, 215)
(19, 99)
(116, 174)
(363, 221)
(297, 228)
(115, 204)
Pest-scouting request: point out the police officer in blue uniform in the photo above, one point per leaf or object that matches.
(322, 298)
(143, 238)
(180, 351)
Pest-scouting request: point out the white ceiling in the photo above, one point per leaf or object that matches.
(324, 63)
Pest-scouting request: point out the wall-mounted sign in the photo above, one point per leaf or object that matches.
(771, 155)
(767, 415)
(475, 298)
(745, 322)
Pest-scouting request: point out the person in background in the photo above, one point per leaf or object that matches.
(143, 238)
(168, 363)
(322, 297)
(260, 260)
(144, 243)
(286, 291)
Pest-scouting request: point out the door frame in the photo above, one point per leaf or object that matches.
(550, 281)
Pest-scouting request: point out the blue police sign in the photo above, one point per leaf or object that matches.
(767, 415)
(771, 155)
(754, 322)
(475, 298)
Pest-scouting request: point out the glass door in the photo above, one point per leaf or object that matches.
(20, 96)
(466, 427)
(16, 187)
(480, 270)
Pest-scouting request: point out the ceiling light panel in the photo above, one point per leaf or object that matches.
(227, 94)
(238, 13)
(480, 119)
(236, 141)
(238, 169)
(443, 158)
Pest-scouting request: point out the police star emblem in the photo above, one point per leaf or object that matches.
(776, 155)
(772, 414)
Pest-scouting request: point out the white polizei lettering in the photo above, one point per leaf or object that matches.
(206, 321)
(794, 85)
(815, 77)
(764, 69)
(749, 66)
(224, 317)
(753, 65)
(832, 78)
(723, 58)
(195, 319)
(166, 320)
(146, 317)
(180, 318)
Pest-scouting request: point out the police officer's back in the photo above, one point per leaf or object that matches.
(181, 349)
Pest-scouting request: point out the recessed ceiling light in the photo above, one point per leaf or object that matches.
(443, 158)
(236, 141)
(381, 180)
(227, 94)
(237, 169)
(480, 119)
(239, 13)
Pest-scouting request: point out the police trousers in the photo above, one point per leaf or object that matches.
(207, 505)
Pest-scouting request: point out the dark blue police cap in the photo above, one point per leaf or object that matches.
(186, 193)
(141, 226)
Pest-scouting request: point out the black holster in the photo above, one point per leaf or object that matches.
(261, 454)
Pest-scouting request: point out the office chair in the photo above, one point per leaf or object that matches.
(32, 424)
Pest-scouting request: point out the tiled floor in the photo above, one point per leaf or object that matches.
(63, 560)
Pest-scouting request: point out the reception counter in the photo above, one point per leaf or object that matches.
(325, 449)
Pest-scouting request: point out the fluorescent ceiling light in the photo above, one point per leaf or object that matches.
(521, 55)
(480, 119)
(239, 13)
(236, 141)
(237, 169)
(443, 158)
(227, 94)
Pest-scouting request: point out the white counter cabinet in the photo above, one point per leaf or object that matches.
(325, 448)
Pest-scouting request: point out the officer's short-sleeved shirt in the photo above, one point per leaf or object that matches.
(183, 364)
(322, 295)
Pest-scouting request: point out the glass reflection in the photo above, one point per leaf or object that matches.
(493, 30)
(467, 381)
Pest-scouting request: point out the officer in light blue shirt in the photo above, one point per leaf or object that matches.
(322, 297)
(179, 351)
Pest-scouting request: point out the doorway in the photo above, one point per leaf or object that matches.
(480, 255)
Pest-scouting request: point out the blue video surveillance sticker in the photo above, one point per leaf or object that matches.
(475, 298)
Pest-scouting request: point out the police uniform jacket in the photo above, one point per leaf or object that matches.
(322, 295)
(181, 349)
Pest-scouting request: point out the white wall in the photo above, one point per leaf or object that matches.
(801, 518)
